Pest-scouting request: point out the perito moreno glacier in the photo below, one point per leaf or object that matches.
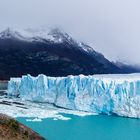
(105, 94)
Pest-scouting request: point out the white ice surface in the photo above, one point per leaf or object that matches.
(37, 111)
(107, 94)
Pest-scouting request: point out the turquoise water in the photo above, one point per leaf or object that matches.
(87, 128)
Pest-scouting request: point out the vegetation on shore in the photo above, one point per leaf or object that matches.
(10, 129)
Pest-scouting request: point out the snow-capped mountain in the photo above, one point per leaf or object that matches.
(11, 34)
(31, 35)
(53, 53)
(55, 34)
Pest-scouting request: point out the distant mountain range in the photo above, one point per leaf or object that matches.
(52, 53)
(126, 68)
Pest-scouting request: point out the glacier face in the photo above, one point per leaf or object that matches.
(107, 94)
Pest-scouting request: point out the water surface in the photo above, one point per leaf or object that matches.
(98, 127)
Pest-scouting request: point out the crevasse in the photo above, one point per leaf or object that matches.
(107, 94)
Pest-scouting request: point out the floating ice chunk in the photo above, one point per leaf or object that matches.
(34, 120)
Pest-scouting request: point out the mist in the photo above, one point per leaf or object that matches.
(111, 27)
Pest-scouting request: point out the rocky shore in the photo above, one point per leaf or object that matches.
(10, 129)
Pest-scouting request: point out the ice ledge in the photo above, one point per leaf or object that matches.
(109, 94)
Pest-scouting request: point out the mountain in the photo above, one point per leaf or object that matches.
(53, 53)
(127, 68)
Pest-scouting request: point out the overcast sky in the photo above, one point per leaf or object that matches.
(111, 26)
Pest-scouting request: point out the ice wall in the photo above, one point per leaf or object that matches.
(117, 94)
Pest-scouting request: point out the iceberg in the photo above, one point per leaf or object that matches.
(105, 94)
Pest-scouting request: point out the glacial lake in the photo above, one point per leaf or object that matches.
(98, 127)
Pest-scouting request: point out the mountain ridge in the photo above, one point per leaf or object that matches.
(52, 53)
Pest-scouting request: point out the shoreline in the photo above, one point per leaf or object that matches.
(14, 130)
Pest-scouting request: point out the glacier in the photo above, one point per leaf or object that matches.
(102, 94)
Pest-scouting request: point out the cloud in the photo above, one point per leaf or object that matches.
(111, 26)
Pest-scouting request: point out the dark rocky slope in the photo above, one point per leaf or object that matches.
(10, 129)
(61, 56)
